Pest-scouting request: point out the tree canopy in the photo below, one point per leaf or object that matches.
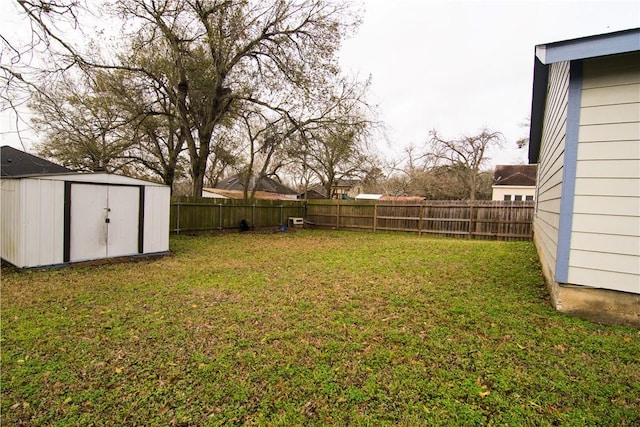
(170, 93)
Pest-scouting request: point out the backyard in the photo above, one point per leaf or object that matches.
(310, 328)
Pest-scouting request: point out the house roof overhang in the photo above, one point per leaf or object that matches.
(570, 50)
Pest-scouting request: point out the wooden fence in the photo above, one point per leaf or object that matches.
(189, 214)
(495, 220)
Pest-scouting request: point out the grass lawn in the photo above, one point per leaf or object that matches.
(310, 328)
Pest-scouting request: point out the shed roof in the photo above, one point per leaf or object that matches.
(569, 50)
(17, 163)
(92, 178)
(520, 175)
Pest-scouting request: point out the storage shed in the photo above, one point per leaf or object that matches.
(585, 137)
(58, 218)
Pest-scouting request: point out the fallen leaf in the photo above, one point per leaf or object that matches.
(560, 348)
(484, 393)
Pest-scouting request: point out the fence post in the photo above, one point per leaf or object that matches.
(420, 216)
(472, 221)
(375, 216)
(281, 215)
(178, 218)
(338, 215)
(253, 215)
(220, 216)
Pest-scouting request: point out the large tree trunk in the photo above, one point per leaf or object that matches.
(199, 167)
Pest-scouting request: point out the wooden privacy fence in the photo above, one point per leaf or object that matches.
(495, 220)
(191, 214)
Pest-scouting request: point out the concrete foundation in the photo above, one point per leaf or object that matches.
(598, 305)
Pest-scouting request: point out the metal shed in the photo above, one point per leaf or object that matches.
(54, 219)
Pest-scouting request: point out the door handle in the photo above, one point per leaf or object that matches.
(107, 220)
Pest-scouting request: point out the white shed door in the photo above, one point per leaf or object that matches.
(104, 221)
(122, 229)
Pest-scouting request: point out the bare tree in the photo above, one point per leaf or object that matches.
(465, 156)
(186, 70)
(217, 52)
(25, 52)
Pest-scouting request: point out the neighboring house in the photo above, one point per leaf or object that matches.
(313, 194)
(585, 137)
(514, 182)
(343, 189)
(346, 189)
(52, 216)
(266, 188)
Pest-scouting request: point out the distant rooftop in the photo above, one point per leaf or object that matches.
(519, 175)
(265, 184)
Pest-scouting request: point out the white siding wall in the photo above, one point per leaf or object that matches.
(605, 240)
(43, 221)
(499, 191)
(156, 219)
(32, 222)
(10, 229)
(550, 164)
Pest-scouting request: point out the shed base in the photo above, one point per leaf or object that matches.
(93, 262)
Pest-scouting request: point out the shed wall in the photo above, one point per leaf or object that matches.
(33, 220)
(156, 219)
(43, 221)
(550, 166)
(11, 236)
(605, 240)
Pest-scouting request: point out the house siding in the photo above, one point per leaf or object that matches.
(550, 168)
(605, 240)
(499, 191)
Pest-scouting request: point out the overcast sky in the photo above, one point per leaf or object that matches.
(458, 66)
(454, 66)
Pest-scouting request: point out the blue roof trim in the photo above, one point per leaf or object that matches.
(569, 172)
(590, 47)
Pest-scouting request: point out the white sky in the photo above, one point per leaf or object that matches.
(453, 66)
(458, 66)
